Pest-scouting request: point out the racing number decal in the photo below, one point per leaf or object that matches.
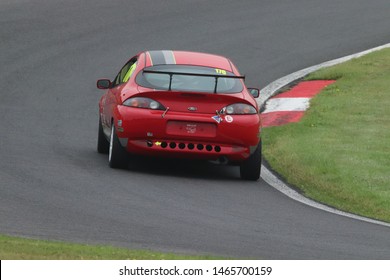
(220, 71)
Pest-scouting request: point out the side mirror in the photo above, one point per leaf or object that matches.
(255, 92)
(103, 84)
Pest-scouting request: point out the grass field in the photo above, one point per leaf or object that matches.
(339, 153)
(14, 248)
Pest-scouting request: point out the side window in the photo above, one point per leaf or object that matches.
(126, 72)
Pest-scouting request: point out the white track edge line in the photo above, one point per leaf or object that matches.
(274, 181)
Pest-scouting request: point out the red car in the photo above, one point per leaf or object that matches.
(180, 104)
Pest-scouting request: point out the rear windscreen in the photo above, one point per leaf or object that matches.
(182, 80)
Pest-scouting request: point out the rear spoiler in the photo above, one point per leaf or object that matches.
(216, 76)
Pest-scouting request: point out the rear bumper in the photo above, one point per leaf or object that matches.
(185, 149)
(147, 132)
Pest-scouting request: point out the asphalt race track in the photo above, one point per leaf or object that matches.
(53, 183)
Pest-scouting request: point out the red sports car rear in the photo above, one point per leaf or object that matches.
(180, 104)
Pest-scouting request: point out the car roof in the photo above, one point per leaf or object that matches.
(187, 58)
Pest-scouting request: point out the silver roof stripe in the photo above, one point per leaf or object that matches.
(169, 57)
(162, 57)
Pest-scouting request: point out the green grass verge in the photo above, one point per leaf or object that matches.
(339, 153)
(14, 248)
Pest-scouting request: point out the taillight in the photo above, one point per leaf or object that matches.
(239, 109)
(143, 102)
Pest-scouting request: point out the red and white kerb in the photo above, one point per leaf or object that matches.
(290, 106)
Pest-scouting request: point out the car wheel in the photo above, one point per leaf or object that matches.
(250, 169)
(117, 157)
(102, 144)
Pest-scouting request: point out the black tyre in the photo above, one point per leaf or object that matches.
(102, 144)
(117, 156)
(250, 169)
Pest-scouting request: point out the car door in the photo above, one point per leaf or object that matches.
(111, 100)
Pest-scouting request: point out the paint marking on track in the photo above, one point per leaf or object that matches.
(281, 117)
(287, 104)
